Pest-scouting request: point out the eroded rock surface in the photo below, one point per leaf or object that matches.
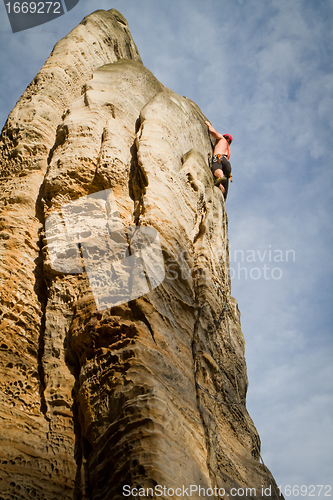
(150, 391)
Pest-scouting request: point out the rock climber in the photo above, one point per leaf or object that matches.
(220, 166)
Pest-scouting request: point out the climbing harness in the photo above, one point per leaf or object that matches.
(218, 158)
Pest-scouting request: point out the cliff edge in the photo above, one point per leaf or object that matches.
(122, 357)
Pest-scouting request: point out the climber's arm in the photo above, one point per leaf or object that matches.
(213, 132)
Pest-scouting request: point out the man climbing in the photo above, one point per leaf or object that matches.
(220, 166)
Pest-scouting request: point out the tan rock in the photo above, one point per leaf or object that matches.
(150, 391)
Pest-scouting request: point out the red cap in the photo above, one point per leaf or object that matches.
(229, 137)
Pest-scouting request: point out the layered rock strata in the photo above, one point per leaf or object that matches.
(100, 389)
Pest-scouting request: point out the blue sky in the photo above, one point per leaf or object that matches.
(261, 70)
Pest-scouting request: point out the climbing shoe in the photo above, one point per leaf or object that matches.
(219, 181)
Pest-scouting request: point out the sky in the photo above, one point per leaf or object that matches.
(261, 70)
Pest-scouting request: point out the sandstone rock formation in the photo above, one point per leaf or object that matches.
(150, 391)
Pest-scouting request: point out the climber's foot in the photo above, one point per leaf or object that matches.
(219, 180)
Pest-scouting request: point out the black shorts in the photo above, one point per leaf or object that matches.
(224, 166)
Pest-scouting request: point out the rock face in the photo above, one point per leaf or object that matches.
(140, 391)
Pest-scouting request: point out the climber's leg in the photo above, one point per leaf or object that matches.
(218, 173)
(220, 177)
